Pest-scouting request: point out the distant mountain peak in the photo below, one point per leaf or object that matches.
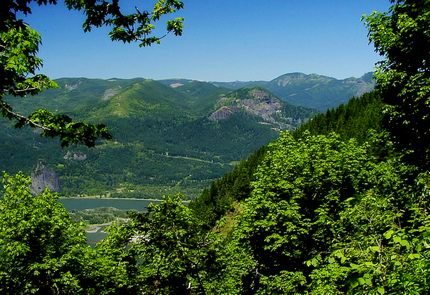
(294, 78)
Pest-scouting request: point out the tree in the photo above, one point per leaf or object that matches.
(19, 45)
(41, 249)
(402, 36)
(326, 216)
(163, 250)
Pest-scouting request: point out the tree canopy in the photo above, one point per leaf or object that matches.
(20, 64)
(402, 36)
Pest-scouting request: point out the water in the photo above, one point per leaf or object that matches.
(94, 238)
(89, 203)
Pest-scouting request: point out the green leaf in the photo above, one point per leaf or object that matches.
(388, 234)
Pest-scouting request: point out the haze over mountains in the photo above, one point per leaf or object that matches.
(169, 135)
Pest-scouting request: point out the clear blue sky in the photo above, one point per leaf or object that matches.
(223, 40)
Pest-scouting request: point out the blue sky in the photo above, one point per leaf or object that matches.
(223, 40)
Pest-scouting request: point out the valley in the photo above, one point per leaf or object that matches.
(169, 136)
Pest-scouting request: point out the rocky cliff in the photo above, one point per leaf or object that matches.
(260, 103)
(44, 177)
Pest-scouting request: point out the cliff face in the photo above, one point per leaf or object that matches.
(259, 103)
(44, 177)
(223, 113)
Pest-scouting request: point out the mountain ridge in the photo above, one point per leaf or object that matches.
(158, 127)
(310, 90)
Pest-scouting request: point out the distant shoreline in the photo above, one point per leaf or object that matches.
(110, 198)
(121, 199)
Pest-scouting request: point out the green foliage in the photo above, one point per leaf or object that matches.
(298, 190)
(19, 62)
(403, 78)
(326, 217)
(351, 120)
(162, 250)
(41, 250)
(216, 201)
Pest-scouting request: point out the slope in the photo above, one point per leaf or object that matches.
(351, 120)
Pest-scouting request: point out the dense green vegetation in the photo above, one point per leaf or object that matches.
(351, 120)
(315, 212)
(218, 199)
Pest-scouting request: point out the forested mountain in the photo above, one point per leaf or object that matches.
(351, 120)
(312, 91)
(166, 135)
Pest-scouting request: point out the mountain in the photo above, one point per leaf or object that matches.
(201, 96)
(262, 104)
(312, 91)
(165, 136)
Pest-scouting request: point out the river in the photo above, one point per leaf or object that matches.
(91, 203)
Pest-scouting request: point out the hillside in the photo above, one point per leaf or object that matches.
(165, 137)
(351, 120)
(262, 104)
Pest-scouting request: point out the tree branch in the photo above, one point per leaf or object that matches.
(24, 90)
(11, 114)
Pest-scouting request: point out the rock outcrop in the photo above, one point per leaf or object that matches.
(222, 113)
(256, 101)
(44, 177)
(75, 156)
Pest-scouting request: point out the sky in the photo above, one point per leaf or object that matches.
(223, 40)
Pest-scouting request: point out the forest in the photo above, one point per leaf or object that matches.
(340, 206)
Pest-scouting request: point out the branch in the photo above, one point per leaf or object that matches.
(16, 91)
(11, 114)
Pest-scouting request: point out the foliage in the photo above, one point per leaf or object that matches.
(350, 120)
(326, 217)
(403, 78)
(386, 248)
(19, 45)
(162, 250)
(217, 200)
(41, 250)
